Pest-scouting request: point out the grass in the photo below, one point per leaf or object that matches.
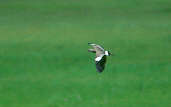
(44, 60)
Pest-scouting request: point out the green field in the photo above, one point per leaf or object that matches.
(44, 60)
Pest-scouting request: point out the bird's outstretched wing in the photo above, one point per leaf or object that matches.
(96, 47)
(92, 50)
(100, 65)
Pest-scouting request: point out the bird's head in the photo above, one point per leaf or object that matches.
(107, 53)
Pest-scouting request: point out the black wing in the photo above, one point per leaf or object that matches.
(100, 65)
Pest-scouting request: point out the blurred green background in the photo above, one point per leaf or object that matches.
(44, 60)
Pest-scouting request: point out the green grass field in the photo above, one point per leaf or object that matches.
(44, 60)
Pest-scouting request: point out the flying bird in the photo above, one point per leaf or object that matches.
(101, 54)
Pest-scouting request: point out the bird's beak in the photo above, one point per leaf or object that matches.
(112, 54)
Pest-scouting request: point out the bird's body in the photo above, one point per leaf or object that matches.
(101, 58)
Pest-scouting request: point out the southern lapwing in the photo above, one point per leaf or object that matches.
(101, 54)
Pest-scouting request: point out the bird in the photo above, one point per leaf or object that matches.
(101, 56)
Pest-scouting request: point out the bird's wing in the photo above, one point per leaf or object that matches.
(96, 47)
(100, 63)
(92, 50)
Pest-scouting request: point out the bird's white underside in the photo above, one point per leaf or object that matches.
(98, 58)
